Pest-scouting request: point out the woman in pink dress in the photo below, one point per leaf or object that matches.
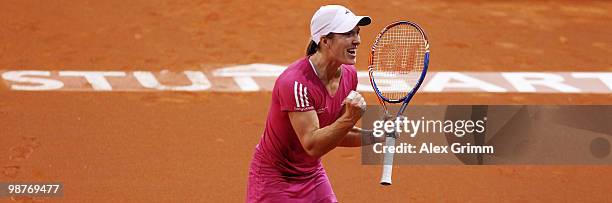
(314, 109)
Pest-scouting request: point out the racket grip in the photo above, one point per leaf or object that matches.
(387, 163)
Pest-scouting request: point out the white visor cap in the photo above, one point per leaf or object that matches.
(334, 19)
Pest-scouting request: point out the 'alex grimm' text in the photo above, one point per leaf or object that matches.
(429, 148)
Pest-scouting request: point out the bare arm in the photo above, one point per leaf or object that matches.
(318, 141)
(356, 135)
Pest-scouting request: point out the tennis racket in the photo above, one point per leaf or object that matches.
(398, 64)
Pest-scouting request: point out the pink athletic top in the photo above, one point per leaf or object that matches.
(281, 171)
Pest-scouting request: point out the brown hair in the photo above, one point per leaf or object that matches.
(313, 47)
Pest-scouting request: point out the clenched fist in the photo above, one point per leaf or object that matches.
(354, 106)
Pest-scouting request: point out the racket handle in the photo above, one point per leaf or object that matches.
(387, 163)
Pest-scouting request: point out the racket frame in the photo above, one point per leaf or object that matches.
(390, 138)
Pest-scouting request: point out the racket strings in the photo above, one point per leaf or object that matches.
(398, 61)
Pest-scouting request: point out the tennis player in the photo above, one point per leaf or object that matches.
(314, 109)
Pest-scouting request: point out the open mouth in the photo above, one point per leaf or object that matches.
(352, 51)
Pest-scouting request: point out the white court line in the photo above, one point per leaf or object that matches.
(261, 77)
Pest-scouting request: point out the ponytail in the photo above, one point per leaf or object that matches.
(312, 48)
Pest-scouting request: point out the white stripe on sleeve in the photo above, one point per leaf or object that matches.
(306, 96)
(302, 94)
(295, 94)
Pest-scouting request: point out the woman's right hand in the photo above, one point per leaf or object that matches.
(354, 106)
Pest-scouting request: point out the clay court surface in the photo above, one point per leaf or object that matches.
(196, 146)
